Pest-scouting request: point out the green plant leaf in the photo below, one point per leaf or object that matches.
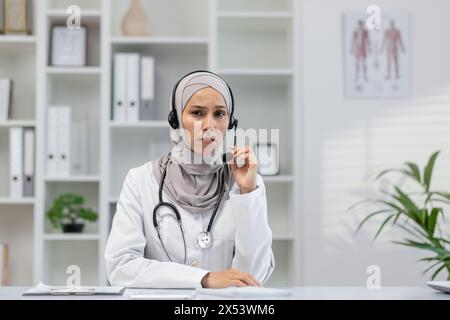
(88, 214)
(368, 217)
(431, 223)
(382, 173)
(422, 245)
(432, 266)
(382, 226)
(411, 208)
(358, 204)
(414, 171)
(428, 171)
(436, 273)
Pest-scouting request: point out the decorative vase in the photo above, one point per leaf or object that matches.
(135, 22)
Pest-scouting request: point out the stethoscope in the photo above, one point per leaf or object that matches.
(205, 238)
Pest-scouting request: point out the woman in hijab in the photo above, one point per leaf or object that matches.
(172, 253)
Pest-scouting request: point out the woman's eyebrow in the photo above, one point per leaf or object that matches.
(205, 107)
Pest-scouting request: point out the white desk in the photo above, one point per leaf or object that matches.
(300, 293)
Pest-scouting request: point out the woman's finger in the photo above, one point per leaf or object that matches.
(248, 280)
(254, 279)
(238, 283)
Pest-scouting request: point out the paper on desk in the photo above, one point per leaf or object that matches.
(43, 289)
(245, 292)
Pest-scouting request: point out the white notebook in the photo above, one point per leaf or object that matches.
(245, 292)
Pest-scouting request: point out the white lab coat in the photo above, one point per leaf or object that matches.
(134, 255)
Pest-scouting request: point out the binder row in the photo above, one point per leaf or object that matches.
(134, 88)
(22, 162)
(58, 140)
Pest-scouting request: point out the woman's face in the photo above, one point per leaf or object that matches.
(205, 117)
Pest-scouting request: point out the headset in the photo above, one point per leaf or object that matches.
(173, 118)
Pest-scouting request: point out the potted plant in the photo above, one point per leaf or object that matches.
(67, 213)
(418, 213)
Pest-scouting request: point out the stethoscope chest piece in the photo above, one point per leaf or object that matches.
(205, 240)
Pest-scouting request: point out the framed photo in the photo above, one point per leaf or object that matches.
(15, 16)
(68, 46)
(268, 158)
(377, 61)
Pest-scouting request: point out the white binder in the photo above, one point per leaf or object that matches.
(64, 141)
(28, 168)
(133, 94)
(147, 107)
(52, 141)
(16, 162)
(5, 98)
(120, 87)
(79, 147)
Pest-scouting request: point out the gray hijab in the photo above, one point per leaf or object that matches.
(192, 180)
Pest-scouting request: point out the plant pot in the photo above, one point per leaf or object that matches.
(72, 227)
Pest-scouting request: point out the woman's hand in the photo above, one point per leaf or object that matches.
(246, 175)
(228, 278)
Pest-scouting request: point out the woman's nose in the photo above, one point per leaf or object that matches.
(208, 123)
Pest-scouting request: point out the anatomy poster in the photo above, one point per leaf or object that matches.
(377, 61)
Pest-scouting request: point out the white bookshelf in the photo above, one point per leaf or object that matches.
(251, 43)
(18, 61)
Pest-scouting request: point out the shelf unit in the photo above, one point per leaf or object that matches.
(253, 44)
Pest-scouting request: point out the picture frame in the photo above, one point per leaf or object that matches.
(377, 61)
(268, 158)
(68, 46)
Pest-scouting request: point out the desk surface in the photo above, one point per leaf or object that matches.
(299, 293)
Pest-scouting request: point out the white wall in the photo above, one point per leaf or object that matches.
(344, 138)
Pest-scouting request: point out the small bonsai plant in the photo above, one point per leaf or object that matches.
(67, 212)
(417, 213)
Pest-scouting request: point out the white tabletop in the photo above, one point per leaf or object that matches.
(299, 293)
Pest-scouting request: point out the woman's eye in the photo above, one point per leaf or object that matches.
(196, 113)
(220, 114)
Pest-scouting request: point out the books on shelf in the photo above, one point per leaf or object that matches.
(133, 87)
(5, 98)
(22, 162)
(16, 16)
(59, 140)
(4, 264)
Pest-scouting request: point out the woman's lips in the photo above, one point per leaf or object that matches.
(208, 140)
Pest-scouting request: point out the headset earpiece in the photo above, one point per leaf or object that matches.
(173, 120)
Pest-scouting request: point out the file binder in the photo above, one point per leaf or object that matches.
(28, 168)
(147, 108)
(5, 98)
(16, 162)
(79, 147)
(52, 141)
(64, 140)
(120, 87)
(133, 105)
